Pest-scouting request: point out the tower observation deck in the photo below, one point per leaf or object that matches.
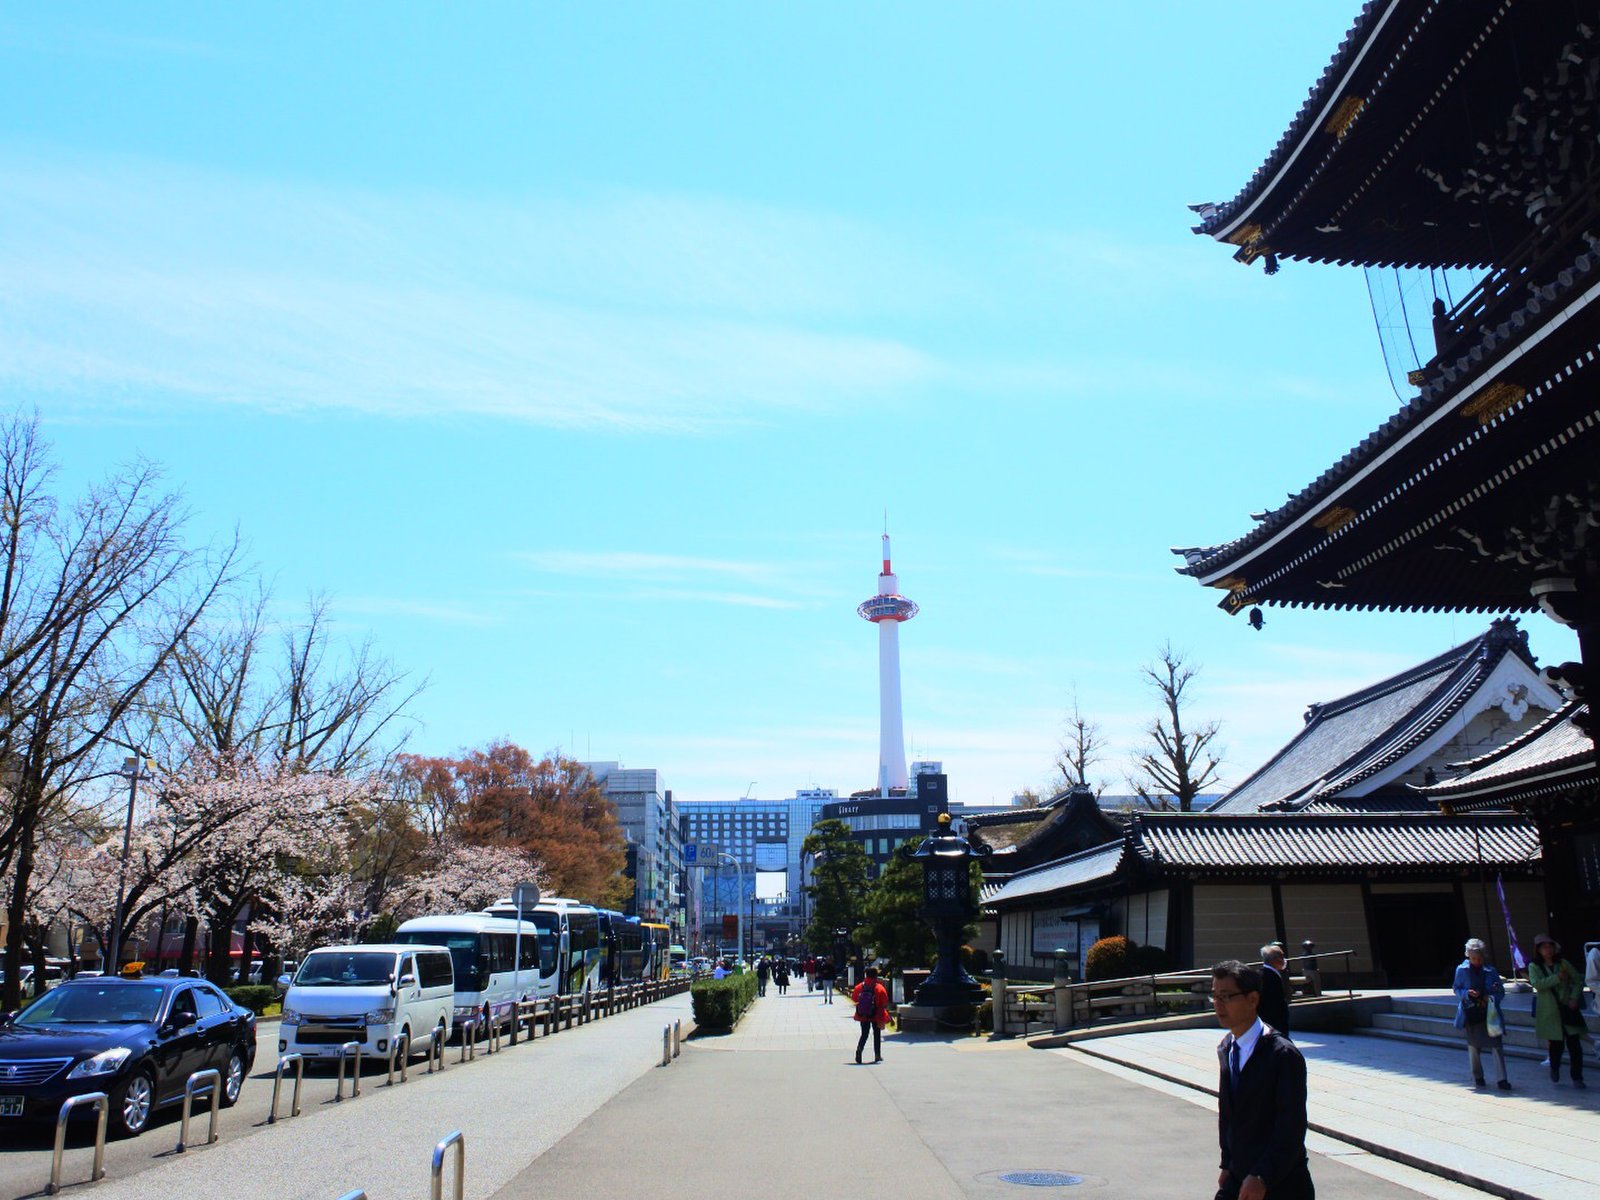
(887, 610)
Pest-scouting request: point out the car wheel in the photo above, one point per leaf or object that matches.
(232, 1079)
(132, 1103)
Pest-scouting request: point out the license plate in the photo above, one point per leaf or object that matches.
(10, 1106)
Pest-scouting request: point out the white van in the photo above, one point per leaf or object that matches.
(373, 995)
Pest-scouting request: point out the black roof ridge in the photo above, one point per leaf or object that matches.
(1471, 364)
(1121, 842)
(1217, 215)
(1332, 818)
(1503, 634)
(1018, 817)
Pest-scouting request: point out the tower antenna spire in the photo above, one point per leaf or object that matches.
(887, 610)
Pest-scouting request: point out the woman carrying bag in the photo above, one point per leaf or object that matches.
(1479, 991)
(1557, 1015)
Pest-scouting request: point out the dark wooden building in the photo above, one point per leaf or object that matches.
(1451, 136)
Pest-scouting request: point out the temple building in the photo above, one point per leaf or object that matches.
(1450, 138)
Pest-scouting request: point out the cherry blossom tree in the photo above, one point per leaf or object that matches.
(465, 878)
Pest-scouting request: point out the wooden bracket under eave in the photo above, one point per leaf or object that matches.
(1493, 400)
(1344, 116)
(1335, 519)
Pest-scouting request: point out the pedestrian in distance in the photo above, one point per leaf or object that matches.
(1275, 988)
(763, 971)
(1479, 994)
(780, 976)
(825, 979)
(1261, 1096)
(809, 966)
(1557, 1007)
(872, 1010)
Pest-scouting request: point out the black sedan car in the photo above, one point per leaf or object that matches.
(138, 1040)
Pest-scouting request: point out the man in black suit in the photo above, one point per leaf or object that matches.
(1261, 1115)
(1274, 988)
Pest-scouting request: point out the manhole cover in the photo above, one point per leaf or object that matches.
(1041, 1178)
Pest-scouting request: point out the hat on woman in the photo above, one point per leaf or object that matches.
(1545, 937)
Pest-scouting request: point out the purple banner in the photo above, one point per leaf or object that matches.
(1517, 960)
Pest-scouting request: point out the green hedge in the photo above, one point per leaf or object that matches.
(254, 996)
(718, 1002)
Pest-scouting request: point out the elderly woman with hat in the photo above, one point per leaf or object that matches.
(1557, 1006)
(1478, 987)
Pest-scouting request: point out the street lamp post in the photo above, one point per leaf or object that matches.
(133, 770)
(948, 904)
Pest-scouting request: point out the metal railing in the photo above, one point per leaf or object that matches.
(102, 1105)
(191, 1086)
(346, 1051)
(399, 1047)
(469, 1038)
(277, 1084)
(436, 1041)
(1063, 1004)
(436, 1179)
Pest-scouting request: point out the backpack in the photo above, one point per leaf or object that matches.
(867, 1005)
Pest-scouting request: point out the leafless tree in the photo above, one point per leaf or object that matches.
(1176, 763)
(95, 596)
(1081, 748)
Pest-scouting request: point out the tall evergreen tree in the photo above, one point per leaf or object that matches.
(838, 882)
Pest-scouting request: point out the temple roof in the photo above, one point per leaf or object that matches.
(1553, 756)
(1351, 743)
(1069, 821)
(1438, 135)
(1209, 846)
(1416, 516)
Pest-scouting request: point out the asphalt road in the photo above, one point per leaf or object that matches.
(379, 1141)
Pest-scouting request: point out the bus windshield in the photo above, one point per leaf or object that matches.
(463, 949)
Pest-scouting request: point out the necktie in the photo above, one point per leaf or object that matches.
(1233, 1065)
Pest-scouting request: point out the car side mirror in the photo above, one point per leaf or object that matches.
(181, 1020)
(283, 982)
(6, 1019)
(407, 980)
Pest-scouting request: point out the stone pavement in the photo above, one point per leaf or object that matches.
(1410, 1101)
(778, 1109)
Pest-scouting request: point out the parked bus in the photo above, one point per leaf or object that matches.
(658, 941)
(574, 930)
(623, 939)
(483, 953)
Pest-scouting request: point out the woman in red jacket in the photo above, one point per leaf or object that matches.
(872, 1010)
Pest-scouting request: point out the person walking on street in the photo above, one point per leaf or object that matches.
(1479, 994)
(872, 1010)
(1274, 988)
(809, 966)
(825, 978)
(780, 976)
(1261, 1097)
(1557, 1015)
(762, 972)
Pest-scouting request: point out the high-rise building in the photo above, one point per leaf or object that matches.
(887, 610)
(649, 820)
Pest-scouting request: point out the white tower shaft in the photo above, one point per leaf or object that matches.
(891, 730)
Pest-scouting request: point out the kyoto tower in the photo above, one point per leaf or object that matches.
(886, 610)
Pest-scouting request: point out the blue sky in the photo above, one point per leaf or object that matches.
(576, 352)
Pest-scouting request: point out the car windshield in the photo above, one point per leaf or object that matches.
(88, 1004)
(346, 968)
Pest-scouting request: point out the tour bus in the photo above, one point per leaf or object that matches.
(658, 938)
(624, 941)
(677, 960)
(574, 929)
(483, 952)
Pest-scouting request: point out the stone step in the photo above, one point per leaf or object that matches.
(1521, 1053)
(1442, 1029)
(1516, 1011)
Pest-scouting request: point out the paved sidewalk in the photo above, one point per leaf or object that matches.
(1410, 1101)
(778, 1109)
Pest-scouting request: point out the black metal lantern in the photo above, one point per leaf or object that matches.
(947, 905)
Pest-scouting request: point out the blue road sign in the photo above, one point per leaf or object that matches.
(691, 854)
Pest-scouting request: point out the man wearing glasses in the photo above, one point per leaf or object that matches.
(1261, 1116)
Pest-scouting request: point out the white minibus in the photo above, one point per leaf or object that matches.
(378, 995)
(483, 949)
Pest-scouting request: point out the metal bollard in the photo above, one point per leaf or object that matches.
(586, 1011)
(102, 1106)
(436, 1186)
(194, 1083)
(666, 1045)
(491, 1039)
(358, 1194)
(345, 1051)
(677, 1038)
(277, 1082)
(436, 1042)
(469, 1039)
(402, 1047)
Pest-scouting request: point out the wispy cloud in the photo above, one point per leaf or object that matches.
(145, 283)
(440, 612)
(677, 577)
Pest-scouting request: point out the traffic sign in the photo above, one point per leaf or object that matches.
(691, 854)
